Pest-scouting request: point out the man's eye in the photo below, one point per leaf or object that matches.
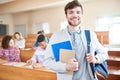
(78, 12)
(70, 12)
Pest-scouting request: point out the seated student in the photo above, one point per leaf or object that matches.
(19, 40)
(36, 43)
(39, 53)
(9, 50)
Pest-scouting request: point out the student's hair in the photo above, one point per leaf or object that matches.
(73, 4)
(40, 32)
(5, 41)
(21, 37)
(40, 38)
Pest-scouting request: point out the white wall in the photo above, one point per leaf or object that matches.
(8, 20)
(99, 8)
(54, 15)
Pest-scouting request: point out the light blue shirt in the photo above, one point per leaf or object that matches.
(82, 73)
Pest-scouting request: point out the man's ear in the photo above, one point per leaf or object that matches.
(66, 15)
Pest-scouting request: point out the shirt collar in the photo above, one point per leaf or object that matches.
(71, 32)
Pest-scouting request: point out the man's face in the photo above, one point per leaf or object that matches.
(74, 16)
(43, 44)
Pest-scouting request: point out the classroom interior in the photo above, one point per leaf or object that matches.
(30, 16)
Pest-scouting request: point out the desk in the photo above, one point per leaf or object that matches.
(21, 73)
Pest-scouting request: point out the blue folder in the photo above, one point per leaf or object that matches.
(62, 45)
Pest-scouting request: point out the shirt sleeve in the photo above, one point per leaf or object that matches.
(1, 52)
(49, 60)
(36, 44)
(34, 56)
(102, 53)
(17, 52)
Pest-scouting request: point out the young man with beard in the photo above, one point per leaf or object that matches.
(76, 35)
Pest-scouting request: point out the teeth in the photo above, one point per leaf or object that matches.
(75, 19)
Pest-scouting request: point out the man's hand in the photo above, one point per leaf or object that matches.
(38, 66)
(72, 65)
(30, 62)
(91, 58)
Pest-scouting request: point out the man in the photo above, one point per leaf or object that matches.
(36, 44)
(76, 35)
(39, 52)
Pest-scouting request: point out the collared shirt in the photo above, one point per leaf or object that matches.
(74, 36)
(82, 73)
(38, 55)
(11, 54)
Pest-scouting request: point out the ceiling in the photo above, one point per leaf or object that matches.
(5, 1)
(13, 6)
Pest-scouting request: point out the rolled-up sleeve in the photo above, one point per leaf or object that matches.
(101, 52)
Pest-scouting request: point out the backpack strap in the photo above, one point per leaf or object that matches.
(87, 34)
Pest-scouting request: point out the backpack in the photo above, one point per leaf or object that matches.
(101, 70)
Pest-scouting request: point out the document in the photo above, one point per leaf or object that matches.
(17, 64)
(66, 55)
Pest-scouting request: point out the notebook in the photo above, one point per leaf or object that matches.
(62, 45)
(66, 55)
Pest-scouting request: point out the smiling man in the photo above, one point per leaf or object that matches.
(74, 33)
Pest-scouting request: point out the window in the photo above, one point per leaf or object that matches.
(102, 24)
(115, 31)
(111, 24)
(21, 28)
(42, 26)
(63, 24)
(46, 27)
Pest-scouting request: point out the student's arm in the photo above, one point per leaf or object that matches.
(32, 60)
(49, 60)
(50, 63)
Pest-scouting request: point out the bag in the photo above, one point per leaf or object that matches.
(101, 70)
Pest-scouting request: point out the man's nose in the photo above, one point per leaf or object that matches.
(75, 14)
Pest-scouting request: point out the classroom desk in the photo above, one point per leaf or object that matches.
(8, 72)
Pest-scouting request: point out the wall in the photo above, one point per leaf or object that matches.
(51, 15)
(8, 20)
(54, 15)
(99, 8)
(23, 18)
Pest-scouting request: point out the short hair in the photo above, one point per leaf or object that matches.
(40, 32)
(73, 4)
(5, 41)
(40, 38)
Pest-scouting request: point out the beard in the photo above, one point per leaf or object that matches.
(74, 23)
